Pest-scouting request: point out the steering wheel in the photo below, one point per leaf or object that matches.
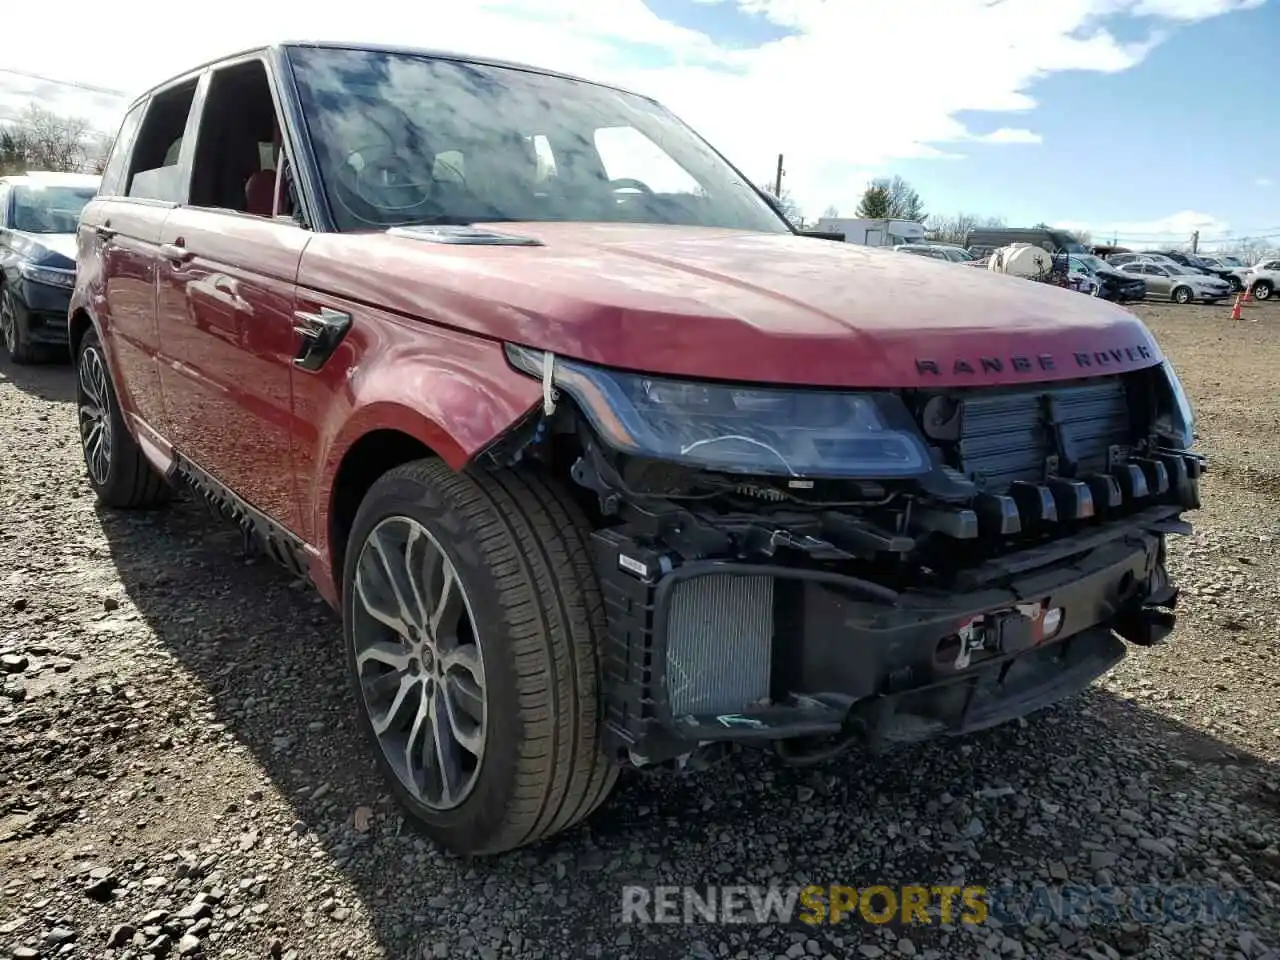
(627, 183)
(361, 165)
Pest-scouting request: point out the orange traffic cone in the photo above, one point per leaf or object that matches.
(1235, 311)
(1248, 294)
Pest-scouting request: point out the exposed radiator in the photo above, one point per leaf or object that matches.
(719, 644)
(1007, 437)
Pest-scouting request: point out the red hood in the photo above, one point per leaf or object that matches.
(724, 304)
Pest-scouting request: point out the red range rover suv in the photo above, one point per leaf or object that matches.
(602, 464)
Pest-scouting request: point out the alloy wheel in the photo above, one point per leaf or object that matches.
(419, 662)
(95, 414)
(8, 322)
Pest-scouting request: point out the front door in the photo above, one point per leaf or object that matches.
(226, 305)
(226, 297)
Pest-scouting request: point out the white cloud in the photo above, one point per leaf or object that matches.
(1263, 182)
(1176, 227)
(1009, 135)
(856, 86)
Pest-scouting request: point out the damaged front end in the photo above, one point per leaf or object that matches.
(817, 568)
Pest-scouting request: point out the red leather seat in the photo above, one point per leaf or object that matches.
(259, 193)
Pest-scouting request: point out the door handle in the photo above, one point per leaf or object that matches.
(321, 332)
(175, 252)
(104, 231)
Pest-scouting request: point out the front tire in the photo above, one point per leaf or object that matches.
(1182, 295)
(472, 621)
(1262, 290)
(118, 472)
(15, 328)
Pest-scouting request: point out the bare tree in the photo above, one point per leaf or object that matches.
(955, 227)
(41, 140)
(831, 213)
(904, 201)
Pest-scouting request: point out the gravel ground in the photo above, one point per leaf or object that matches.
(179, 774)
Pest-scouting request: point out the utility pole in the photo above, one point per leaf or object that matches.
(777, 184)
(1195, 242)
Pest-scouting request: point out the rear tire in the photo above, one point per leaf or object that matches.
(118, 472)
(1262, 290)
(522, 729)
(15, 328)
(1182, 295)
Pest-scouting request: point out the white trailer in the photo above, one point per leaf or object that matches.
(874, 233)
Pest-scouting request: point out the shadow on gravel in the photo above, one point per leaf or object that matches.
(49, 379)
(269, 655)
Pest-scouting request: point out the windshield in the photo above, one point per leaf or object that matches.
(1090, 261)
(1233, 261)
(47, 209)
(401, 138)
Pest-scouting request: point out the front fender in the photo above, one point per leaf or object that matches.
(455, 394)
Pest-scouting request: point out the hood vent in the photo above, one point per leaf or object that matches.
(462, 233)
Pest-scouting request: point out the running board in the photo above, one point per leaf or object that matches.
(275, 542)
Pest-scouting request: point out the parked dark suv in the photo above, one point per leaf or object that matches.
(601, 462)
(38, 214)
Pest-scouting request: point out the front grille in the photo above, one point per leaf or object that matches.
(719, 644)
(1026, 435)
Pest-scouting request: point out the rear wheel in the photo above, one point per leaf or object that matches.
(1182, 295)
(15, 328)
(472, 620)
(1263, 289)
(118, 472)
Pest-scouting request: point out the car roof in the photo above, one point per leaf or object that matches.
(376, 48)
(51, 178)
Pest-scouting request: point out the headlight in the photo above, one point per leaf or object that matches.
(54, 276)
(741, 429)
(1175, 421)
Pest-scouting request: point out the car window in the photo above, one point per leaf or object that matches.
(533, 147)
(1272, 265)
(236, 160)
(49, 208)
(112, 184)
(4, 205)
(154, 172)
(627, 154)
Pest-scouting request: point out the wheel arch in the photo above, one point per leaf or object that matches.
(369, 457)
(79, 323)
(384, 435)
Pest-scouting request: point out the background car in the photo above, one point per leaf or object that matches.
(1178, 285)
(1120, 259)
(922, 250)
(1114, 284)
(1263, 279)
(1200, 265)
(38, 216)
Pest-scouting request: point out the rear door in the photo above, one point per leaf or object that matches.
(226, 298)
(118, 240)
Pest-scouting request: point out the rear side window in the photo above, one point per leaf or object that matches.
(153, 171)
(118, 158)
